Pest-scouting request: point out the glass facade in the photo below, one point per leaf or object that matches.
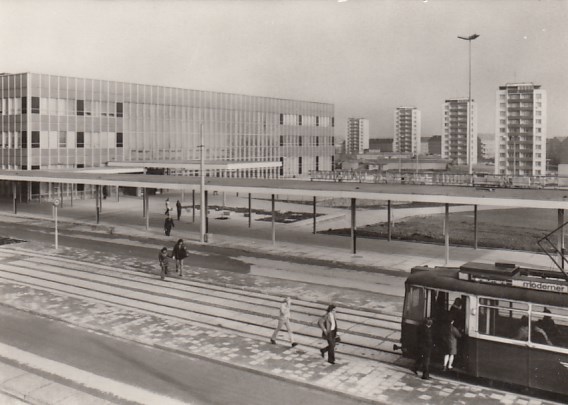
(53, 122)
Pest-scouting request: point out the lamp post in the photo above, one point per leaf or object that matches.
(202, 187)
(469, 145)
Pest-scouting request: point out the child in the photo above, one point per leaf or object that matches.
(164, 260)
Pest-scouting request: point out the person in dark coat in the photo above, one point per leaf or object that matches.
(451, 336)
(179, 253)
(168, 225)
(425, 343)
(457, 313)
(178, 206)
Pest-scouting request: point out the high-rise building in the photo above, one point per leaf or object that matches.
(407, 130)
(357, 135)
(520, 131)
(51, 122)
(487, 150)
(457, 117)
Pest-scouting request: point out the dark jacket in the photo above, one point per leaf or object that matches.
(179, 252)
(169, 224)
(425, 340)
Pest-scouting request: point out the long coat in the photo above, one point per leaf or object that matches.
(451, 339)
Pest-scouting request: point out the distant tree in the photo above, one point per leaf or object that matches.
(557, 151)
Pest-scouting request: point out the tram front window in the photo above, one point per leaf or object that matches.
(414, 304)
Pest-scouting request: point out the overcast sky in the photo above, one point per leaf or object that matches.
(366, 57)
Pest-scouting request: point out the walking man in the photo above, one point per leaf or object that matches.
(179, 253)
(168, 206)
(425, 344)
(328, 325)
(284, 319)
(168, 225)
(178, 206)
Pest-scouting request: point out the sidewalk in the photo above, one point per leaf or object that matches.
(125, 218)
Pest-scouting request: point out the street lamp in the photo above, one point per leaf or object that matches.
(203, 212)
(469, 145)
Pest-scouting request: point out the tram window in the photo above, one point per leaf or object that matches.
(414, 304)
(502, 318)
(549, 326)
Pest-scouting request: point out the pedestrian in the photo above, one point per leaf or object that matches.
(284, 320)
(451, 341)
(179, 253)
(168, 225)
(164, 260)
(328, 325)
(457, 313)
(424, 343)
(168, 206)
(178, 206)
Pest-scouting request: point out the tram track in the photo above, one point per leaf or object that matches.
(366, 333)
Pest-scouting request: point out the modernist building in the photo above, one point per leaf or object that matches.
(457, 117)
(50, 122)
(407, 130)
(520, 132)
(357, 135)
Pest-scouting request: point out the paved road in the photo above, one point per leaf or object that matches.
(171, 375)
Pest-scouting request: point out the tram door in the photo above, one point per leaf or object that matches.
(445, 306)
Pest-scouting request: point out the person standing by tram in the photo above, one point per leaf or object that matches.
(451, 342)
(424, 343)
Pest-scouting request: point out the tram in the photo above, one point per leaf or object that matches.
(514, 321)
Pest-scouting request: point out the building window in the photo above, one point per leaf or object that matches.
(333, 121)
(317, 141)
(281, 166)
(281, 119)
(35, 105)
(332, 163)
(80, 107)
(24, 105)
(119, 112)
(317, 121)
(24, 139)
(119, 140)
(80, 139)
(35, 167)
(299, 120)
(317, 164)
(300, 138)
(62, 139)
(281, 140)
(300, 165)
(333, 141)
(35, 139)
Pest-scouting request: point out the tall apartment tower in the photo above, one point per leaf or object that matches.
(407, 130)
(520, 132)
(457, 117)
(357, 135)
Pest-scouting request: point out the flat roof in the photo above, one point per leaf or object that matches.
(519, 198)
(193, 164)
